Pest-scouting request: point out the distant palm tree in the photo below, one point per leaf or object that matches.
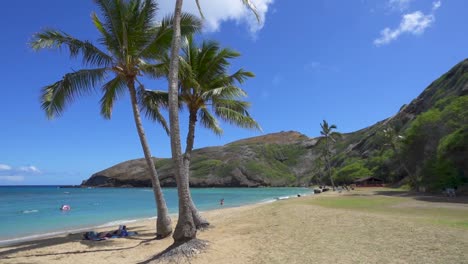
(204, 84)
(185, 229)
(133, 43)
(330, 135)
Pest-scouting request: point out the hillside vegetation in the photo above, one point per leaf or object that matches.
(426, 149)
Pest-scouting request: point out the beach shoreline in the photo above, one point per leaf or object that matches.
(102, 208)
(331, 227)
(116, 223)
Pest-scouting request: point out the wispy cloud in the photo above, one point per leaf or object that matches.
(4, 167)
(412, 23)
(316, 66)
(12, 178)
(31, 169)
(399, 5)
(17, 174)
(216, 12)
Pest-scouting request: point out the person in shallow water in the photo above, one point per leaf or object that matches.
(65, 207)
(221, 202)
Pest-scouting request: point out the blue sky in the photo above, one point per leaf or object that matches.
(352, 63)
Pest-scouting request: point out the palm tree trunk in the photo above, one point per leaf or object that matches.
(163, 222)
(328, 163)
(185, 229)
(199, 221)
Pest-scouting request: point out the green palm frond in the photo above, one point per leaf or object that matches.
(234, 117)
(156, 71)
(56, 96)
(241, 76)
(53, 39)
(161, 39)
(223, 92)
(113, 89)
(209, 121)
(236, 105)
(152, 102)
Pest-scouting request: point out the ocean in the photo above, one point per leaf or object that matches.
(29, 212)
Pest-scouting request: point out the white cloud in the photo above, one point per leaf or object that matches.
(16, 178)
(4, 167)
(32, 169)
(412, 23)
(400, 5)
(216, 12)
(436, 5)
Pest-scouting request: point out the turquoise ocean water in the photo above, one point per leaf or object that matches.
(28, 212)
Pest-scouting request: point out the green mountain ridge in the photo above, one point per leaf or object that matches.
(432, 128)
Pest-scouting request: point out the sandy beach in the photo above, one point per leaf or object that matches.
(298, 230)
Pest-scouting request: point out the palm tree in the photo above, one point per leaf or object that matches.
(330, 135)
(132, 43)
(204, 84)
(185, 229)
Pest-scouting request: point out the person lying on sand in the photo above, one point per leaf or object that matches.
(121, 232)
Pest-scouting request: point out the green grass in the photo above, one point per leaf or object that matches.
(370, 203)
(422, 212)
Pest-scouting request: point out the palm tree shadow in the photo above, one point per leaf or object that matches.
(48, 242)
(179, 253)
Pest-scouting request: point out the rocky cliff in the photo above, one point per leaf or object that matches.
(286, 158)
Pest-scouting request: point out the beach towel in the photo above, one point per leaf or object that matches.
(94, 236)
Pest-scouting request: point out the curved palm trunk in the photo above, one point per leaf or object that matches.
(199, 221)
(185, 229)
(163, 222)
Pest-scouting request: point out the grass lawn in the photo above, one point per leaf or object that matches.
(393, 203)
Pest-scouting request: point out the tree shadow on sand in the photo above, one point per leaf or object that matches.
(93, 246)
(179, 253)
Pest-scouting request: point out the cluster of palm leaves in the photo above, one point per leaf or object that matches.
(131, 45)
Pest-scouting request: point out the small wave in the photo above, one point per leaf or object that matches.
(118, 222)
(267, 201)
(29, 211)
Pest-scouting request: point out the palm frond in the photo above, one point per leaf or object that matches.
(56, 96)
(161, 41)
(252, 7)
(224, 92)
(237, 118)
(209, 121)
(53, 39)
(112, 91)
(155, 70)
(152, 102)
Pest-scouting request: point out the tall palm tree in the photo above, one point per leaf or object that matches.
(185, 229)
(133, 42)
(330, 135)
(203, 84)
